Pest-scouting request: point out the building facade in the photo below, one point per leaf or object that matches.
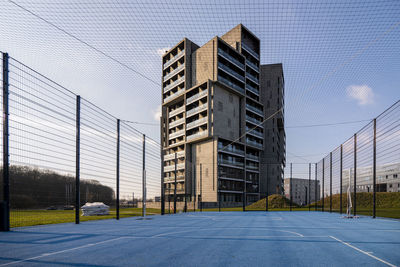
(303, 191)
(212, 129)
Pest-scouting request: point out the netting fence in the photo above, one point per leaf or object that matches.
(62, 151)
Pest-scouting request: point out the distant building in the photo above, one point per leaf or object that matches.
(301, 189)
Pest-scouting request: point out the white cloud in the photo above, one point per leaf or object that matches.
(161, 51)
(157, 113)
(361, 93)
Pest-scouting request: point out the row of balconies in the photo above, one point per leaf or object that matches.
(231, 84)
(174, 95)
(233, 163)
(196, 123)
(172, 60)
(254, 143)
(252, 157)
(255, 109)
(252, 66)
(196, 110)
(171, 156)
(177, 111)
(196, 135)
(251, 51)
(174, 84)
(231, 72)
(176, 134)
(254, 120)
(172, 73)
(252, 89)
(196, 97)
(176, 123)
(169, 168)
(252, 78)
(254, 132)
(179, 178)
(230, 58)
(230, 149)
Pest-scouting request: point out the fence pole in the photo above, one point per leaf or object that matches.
(201, 187)
(374, 174)
(77, 159)
(330, 183)
(323, 184)
(144, 177)
(290, 190)
(194, 181)
(162, 169)
(176, 162)
(266, 194)
(316, 187)
(355, 175)
(5, 208)
(219, 193)
(341, 177)
(309, 186)
(117, 174)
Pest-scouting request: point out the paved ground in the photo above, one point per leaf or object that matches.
(209, 239)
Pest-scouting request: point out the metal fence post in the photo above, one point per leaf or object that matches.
(266, 194)
(5, 209)
(341, 177)
(374, 174)
(323, 184)
(194, 180)
(201, 188)
(218, 181)
(316, 187)
(290, 190)
(176, 162)
(117, 174)
(309, 187)
(162, 169)
(330, 183)
(144, 178)
(77, 159)
(355, 175)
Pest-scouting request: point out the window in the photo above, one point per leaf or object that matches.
(270, 95)
(220, 106)
(395, 175)
(229, 123)
(268, 104)
(390, 185)
(230, 98)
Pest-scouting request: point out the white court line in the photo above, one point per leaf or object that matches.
(362, 251)
(62, 251)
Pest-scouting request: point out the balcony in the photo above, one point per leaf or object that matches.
(251, 167)
(252, 89)
(176, 111)
(197, 135)
(179, 178)
(169, 168)
(174, 95)
(196, 110)
(172, 73)
(231, 163)
(230, 149)
(196, 97)
(252, 65)
(231, 72)
(252, 157)
(230, 58)
(254, 143)
(176, 134)
(176, 123)
(255, 121)
(250, 51)
(175, 58)
(173, 84)
(171, 156)
(196, 123)
(231, 84)
(252, 78)
(254, 109)
(254, 132)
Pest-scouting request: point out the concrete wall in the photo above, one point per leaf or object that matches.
(225, 113)
(233, 36)
(204, 63)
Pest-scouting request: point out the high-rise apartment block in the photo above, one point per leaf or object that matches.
(215, 99)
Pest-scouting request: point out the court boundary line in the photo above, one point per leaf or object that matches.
(362, 251)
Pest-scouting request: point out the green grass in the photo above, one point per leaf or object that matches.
(20, 218)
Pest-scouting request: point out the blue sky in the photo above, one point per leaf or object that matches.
(341, 59)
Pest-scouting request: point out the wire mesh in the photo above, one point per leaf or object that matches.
(42, 148)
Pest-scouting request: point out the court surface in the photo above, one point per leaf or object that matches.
(209, 239)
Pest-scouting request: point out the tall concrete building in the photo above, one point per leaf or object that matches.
(303, 191)
(212, 130)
